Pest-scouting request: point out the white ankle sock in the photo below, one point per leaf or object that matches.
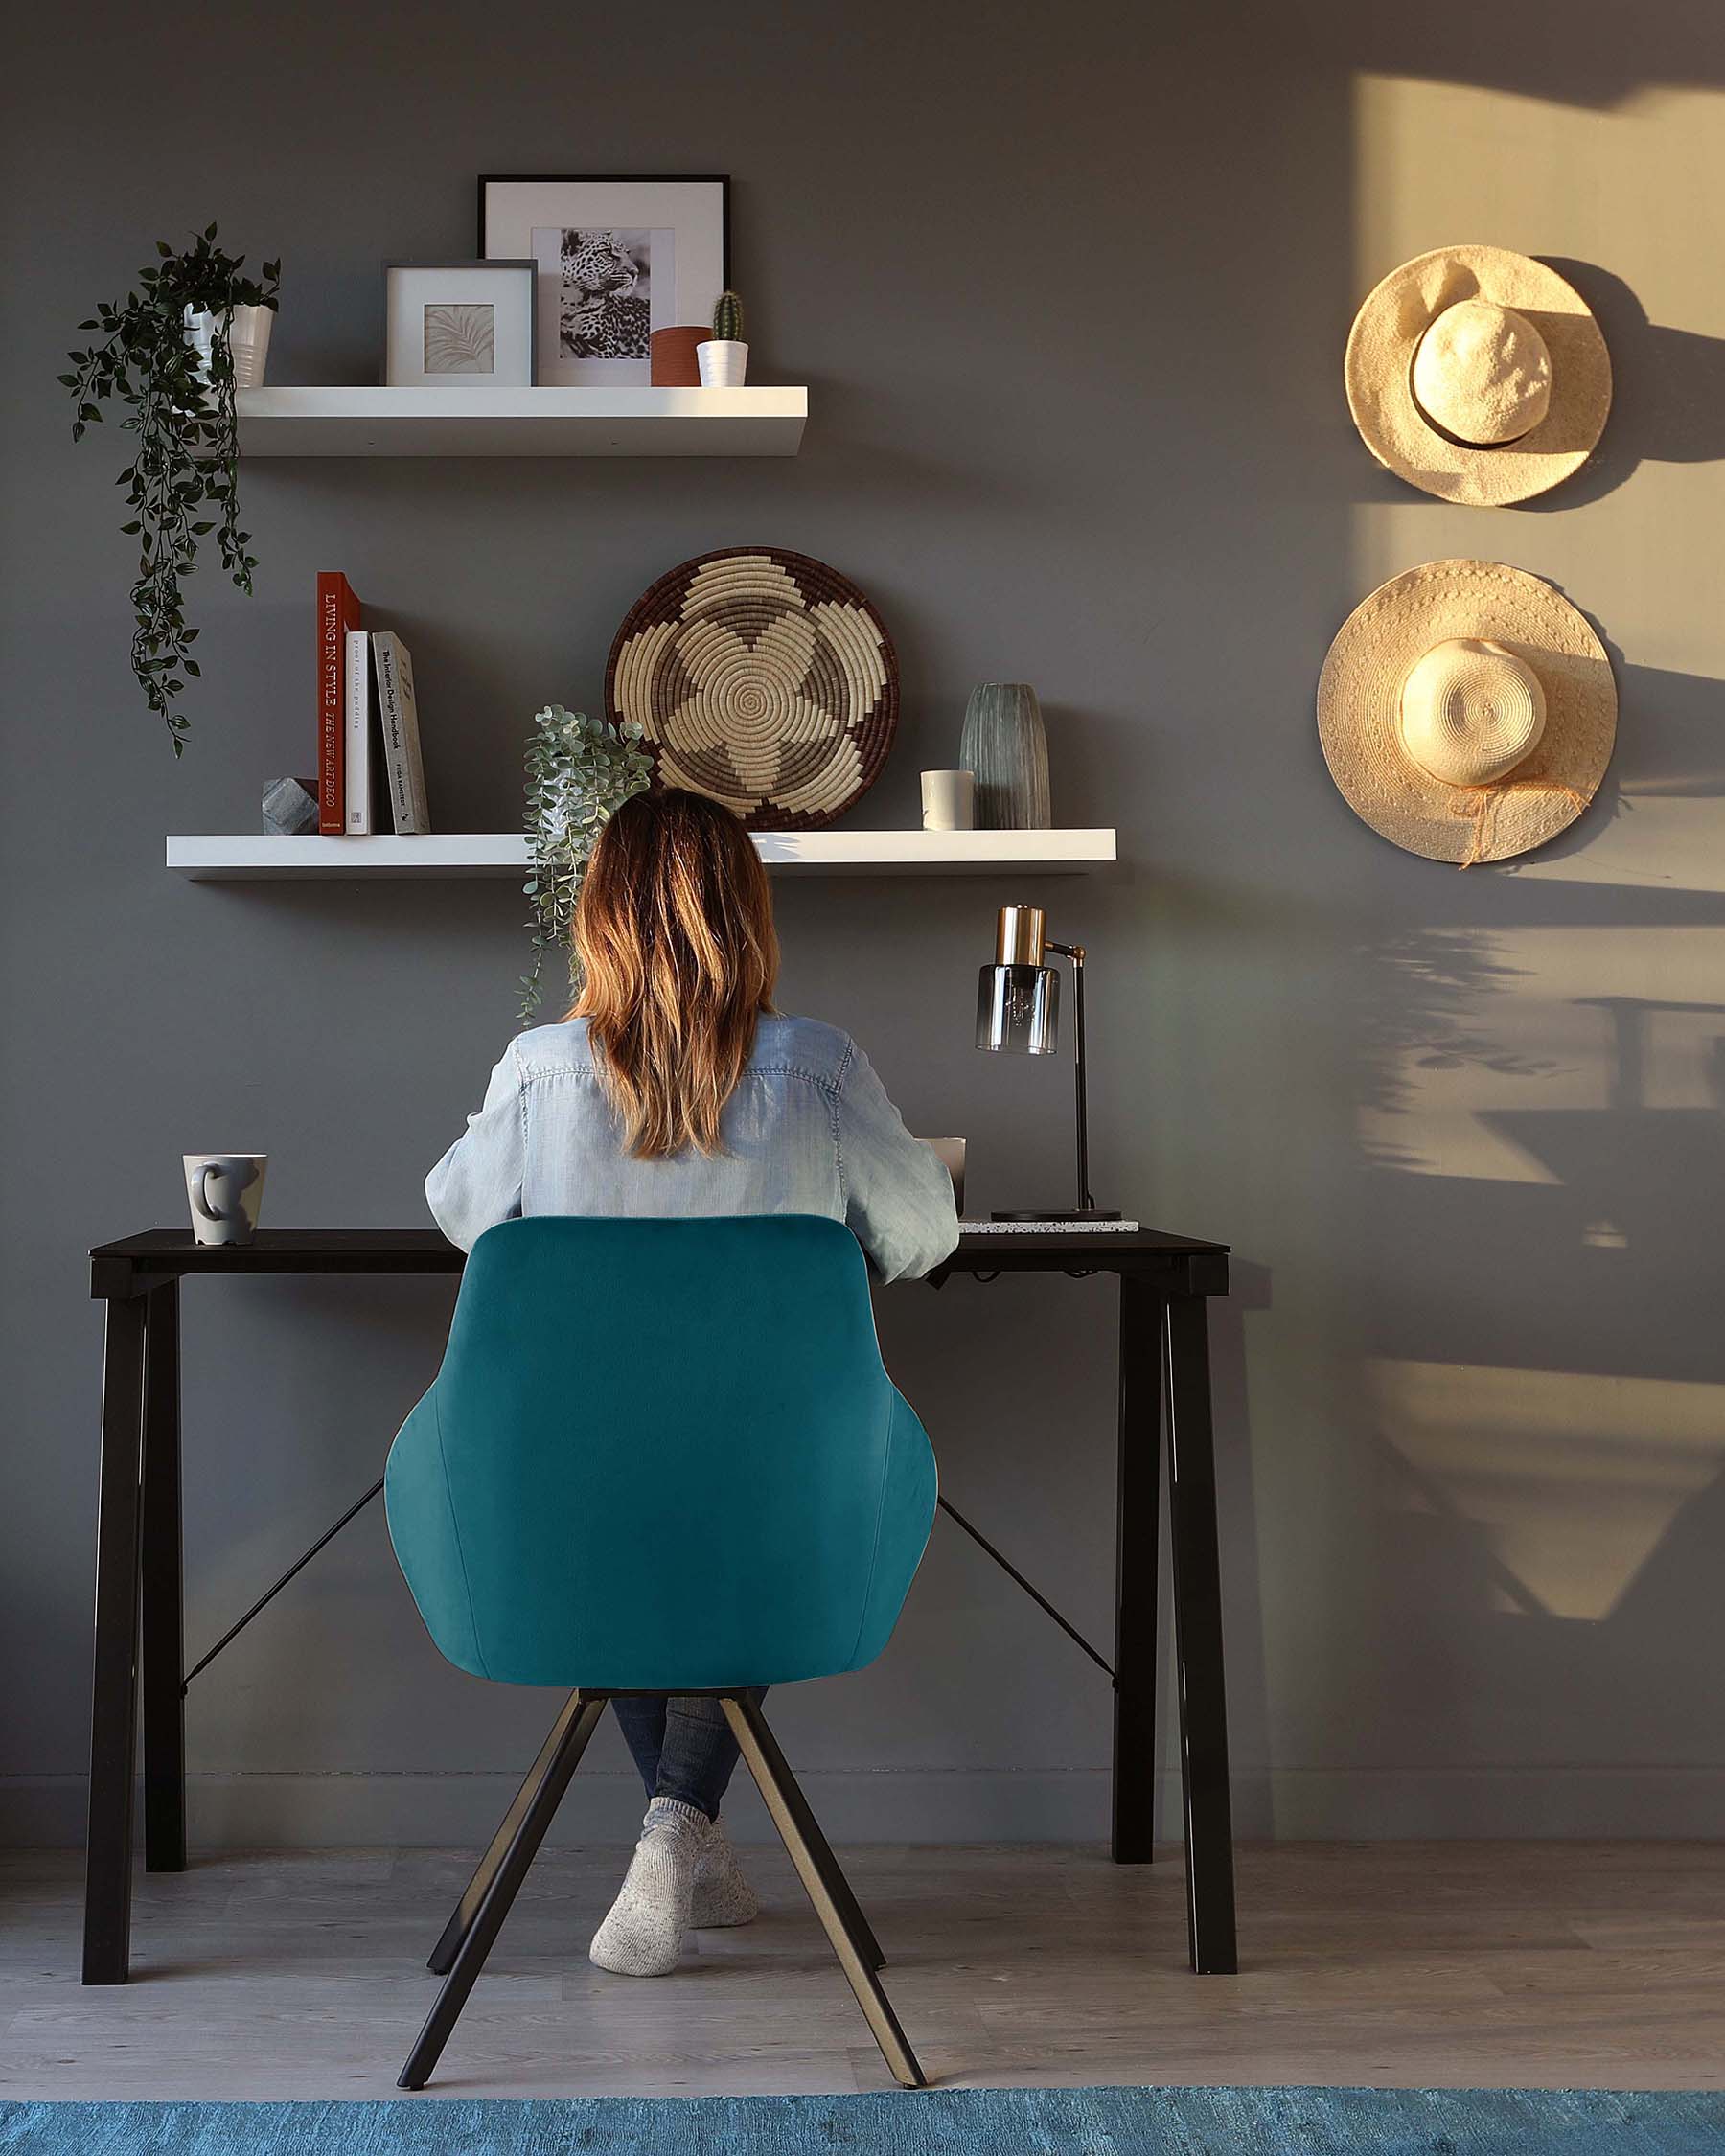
(723, 1895)
(643, 1934)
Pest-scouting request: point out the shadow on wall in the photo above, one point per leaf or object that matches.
(1421, 992)
(1550, 1405)
(1676, 749)
(1653, 834)
(1668, 399)
(1529, 51)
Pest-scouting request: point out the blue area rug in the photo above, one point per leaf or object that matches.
(940, 2123)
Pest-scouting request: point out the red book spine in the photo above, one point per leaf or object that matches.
(337, 611)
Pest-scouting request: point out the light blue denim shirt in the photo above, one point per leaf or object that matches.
(808, 1130)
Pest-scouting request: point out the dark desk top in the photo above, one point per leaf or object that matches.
(134, 1262)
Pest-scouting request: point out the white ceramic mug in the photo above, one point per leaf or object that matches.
(952, 1158)
(225, 1191)
(949, 800)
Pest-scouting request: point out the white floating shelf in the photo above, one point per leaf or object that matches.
(521, 423)
(504, 852)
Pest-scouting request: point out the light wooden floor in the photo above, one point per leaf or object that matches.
(301, 1975)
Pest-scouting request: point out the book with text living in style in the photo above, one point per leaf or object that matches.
(337, 613)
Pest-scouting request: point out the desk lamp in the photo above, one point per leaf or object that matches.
(1017, 1012)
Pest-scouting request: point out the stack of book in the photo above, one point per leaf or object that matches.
(370, 777)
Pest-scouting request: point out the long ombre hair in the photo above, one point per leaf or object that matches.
(678, 953)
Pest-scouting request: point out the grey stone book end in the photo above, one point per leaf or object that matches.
(289, 808)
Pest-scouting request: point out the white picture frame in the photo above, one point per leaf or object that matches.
(460, 325)
(619, 257)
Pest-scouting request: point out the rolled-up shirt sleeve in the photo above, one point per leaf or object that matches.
(898, 1197)
(478, 1181)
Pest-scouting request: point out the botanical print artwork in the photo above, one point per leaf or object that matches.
(461, 338)
(605, 299)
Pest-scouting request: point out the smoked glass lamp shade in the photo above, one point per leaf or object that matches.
(1017, 1009)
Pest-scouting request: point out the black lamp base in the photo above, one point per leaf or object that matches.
(1068, 1212)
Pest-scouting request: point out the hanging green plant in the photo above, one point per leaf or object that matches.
(181, 409)
(580, 770)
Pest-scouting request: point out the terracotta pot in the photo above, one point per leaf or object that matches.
(672, 363)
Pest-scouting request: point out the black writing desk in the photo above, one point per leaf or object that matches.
(1164, 1386)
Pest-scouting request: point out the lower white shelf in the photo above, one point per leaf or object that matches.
(504, 852)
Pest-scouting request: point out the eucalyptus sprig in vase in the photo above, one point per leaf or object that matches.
(580, 770)
(166, 355)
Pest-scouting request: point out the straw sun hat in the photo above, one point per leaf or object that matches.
(1467, 711)
(1479, 375)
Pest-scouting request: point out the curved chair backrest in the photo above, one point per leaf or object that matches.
(661, 1455)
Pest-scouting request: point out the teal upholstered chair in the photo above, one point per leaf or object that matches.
(661, 1455)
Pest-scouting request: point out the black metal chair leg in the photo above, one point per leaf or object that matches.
(443, 1954)
(820, 1847)
(575, 1725)
(838, 1885)
(787, 1804)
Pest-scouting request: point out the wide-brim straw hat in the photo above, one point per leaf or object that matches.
(1479, 375)
(1467, 711)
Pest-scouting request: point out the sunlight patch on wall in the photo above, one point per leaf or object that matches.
(1447, 1142)
(1418, 143)
(1572, 1478)
(1436, 163)
(1630, 541)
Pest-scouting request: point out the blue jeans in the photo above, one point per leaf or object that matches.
(682, 1746)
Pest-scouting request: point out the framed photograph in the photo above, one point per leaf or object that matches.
(618, 258)
(460, 325)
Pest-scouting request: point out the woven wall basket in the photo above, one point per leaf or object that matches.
(763, 678)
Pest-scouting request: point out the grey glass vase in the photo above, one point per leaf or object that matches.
(1004, 742)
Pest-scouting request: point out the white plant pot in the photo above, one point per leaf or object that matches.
(248, 340)
(200, 335)
(723, 361)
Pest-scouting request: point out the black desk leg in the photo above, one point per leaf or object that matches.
(114, 1698)
(163, 1658)
(1137, 1549)
(1198, 1642)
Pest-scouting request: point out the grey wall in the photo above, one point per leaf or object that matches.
(1070, 296)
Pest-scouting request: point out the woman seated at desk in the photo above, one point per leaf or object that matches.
(672, 1088)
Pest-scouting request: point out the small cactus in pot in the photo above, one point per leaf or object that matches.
(727, 318)
(723, 356)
